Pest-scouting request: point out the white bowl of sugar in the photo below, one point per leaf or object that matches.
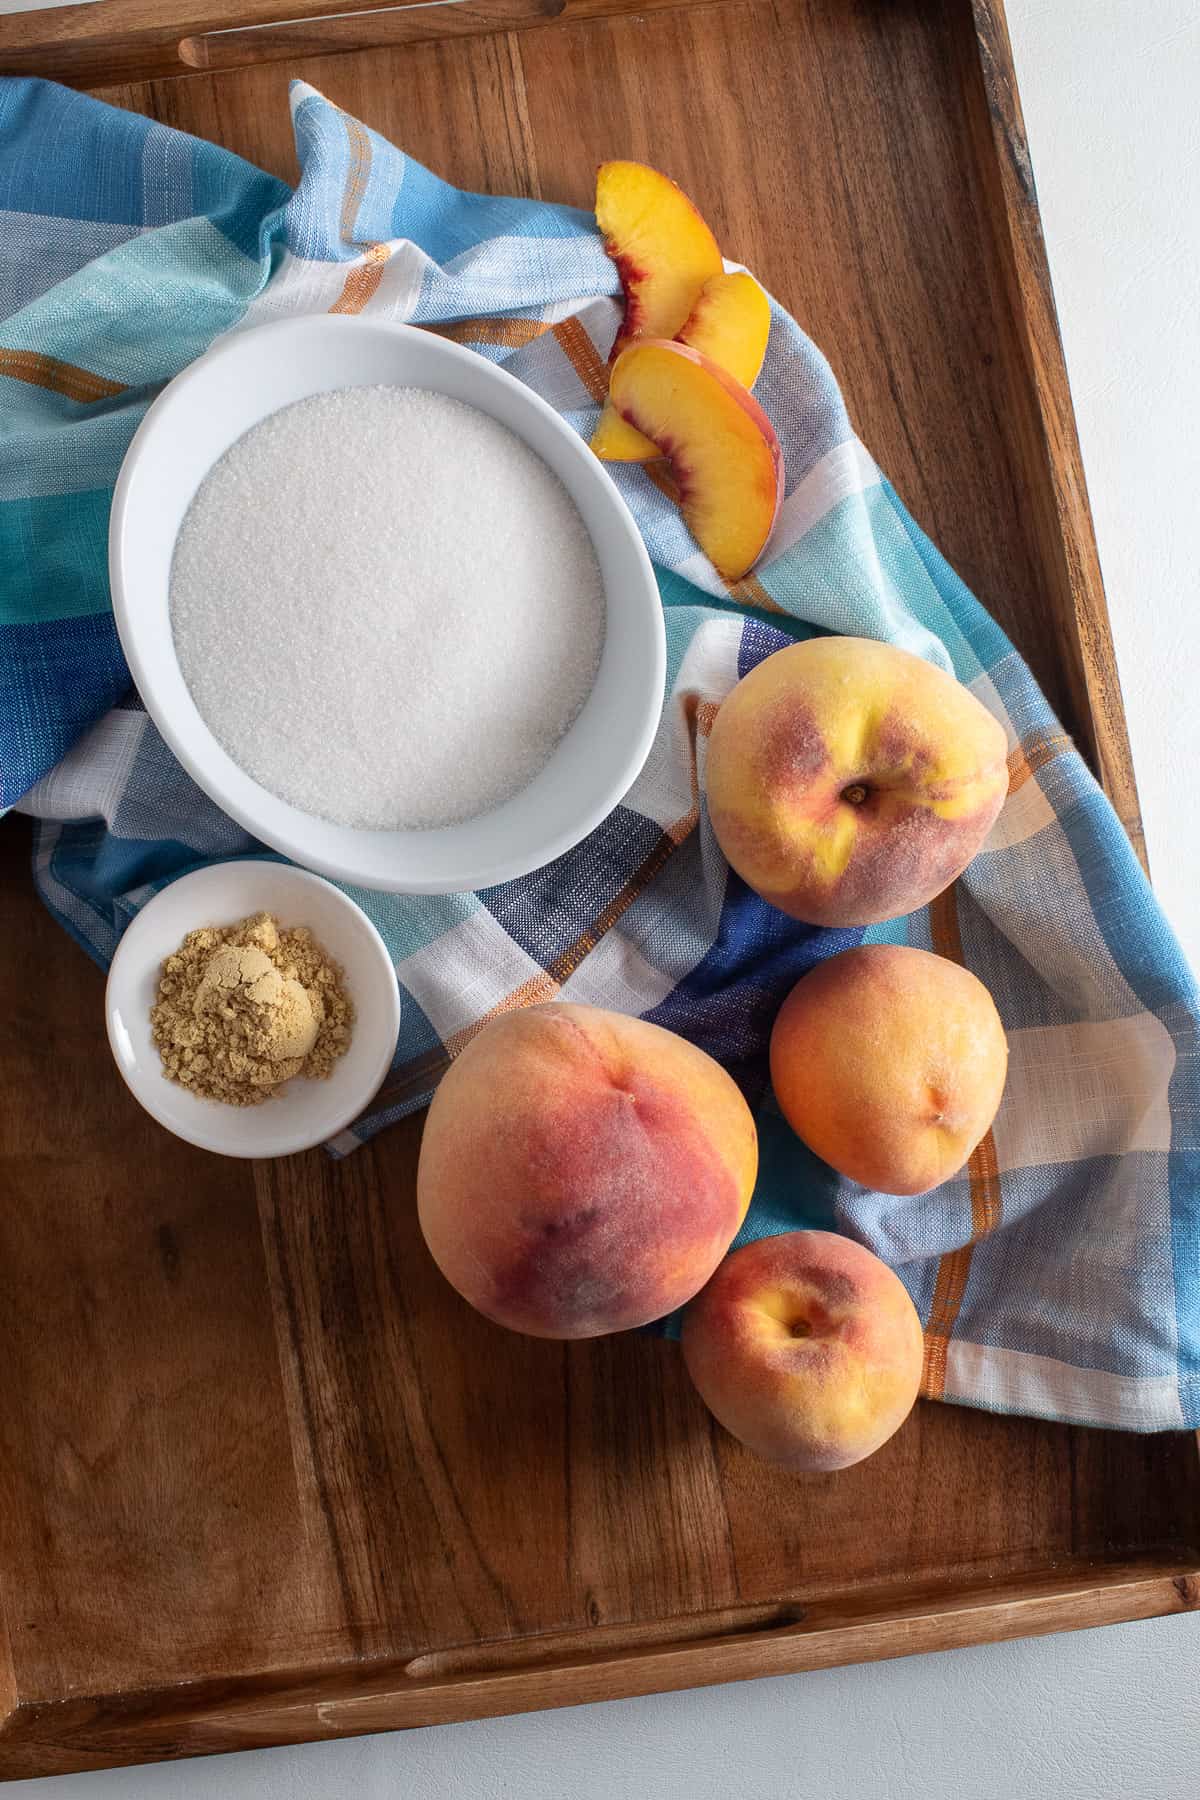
(384, 605)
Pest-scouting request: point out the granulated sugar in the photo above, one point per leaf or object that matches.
(386, 607)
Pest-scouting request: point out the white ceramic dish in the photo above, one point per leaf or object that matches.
(212, 404)
(305, 1112)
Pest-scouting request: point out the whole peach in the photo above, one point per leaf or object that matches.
(582, 1172)
(849, 782)
(807, 1348)
(890, 1063)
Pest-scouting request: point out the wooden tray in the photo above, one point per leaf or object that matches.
(262, 1477)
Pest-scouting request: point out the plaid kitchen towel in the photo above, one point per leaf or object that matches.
(1060, 1274)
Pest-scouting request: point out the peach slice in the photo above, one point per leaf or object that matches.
(730, 323)
(723, 451)
(663, 250)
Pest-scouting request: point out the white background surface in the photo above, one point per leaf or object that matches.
(1110, 93)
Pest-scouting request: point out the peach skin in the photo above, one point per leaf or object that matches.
(663, 250)
(722, 447)
(890, 1063)
(849, 782)
(582, 1172)
(730, 324)
(806, 1348)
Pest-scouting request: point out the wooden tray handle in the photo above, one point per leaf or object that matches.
(594, 1663)
(549, 1650)
(412, 21)
(142, 40)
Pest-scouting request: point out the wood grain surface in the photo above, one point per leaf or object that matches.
(140, 40)
(263, 1477)
(1059, 515)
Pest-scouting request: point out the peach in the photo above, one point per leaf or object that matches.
(663, 250)
(582, 1172)
(730, 324)
(889, 1062)
(807, 1348)
(850, 782)
(723, 451)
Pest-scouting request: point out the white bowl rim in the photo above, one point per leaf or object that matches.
(212, 1140)
(284, 840)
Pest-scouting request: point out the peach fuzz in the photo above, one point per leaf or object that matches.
(806, 1348)
(849, 782)
(582, 1172)
(890, 1063)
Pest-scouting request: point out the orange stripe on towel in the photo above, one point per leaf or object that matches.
(583, 357)
(57, 377)
(357, 177)
(1026, 759)
(512, 334)
(362, 281)
(751, 592)
(546, 984)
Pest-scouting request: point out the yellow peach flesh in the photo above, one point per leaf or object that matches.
(723, 451)
(730, 324)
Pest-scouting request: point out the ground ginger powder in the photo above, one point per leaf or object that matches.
(243, 1008)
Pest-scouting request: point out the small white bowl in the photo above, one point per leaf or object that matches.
(305, 1112)
(216, 401)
